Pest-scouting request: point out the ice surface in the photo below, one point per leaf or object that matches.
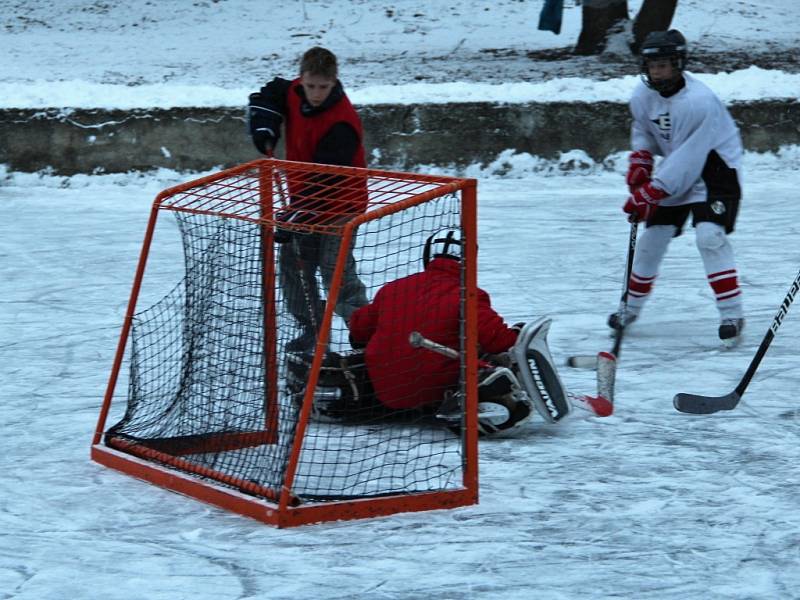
(645, 503)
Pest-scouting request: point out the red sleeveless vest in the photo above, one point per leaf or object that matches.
(303, 134)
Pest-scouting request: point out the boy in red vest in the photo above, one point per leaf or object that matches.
(321, 126)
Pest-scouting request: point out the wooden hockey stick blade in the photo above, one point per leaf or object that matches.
(598, 405)
(705, 405)
(582, 361)
(602, 404)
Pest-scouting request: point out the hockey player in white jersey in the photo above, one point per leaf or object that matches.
(677, 117)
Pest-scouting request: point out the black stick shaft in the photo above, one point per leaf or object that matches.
(306, 285)
(751, 369)
(623, 304)
(768, 337)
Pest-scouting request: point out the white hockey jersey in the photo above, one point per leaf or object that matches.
(684, 129)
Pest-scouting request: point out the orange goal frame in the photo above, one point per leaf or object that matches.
(160, 463)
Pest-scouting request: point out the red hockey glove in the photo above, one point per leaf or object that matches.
(640, 169)
(643, 202)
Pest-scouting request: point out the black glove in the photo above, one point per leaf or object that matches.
(289, 216)
(501, 359)
(264, 118)
(356, 345)
(282, 236)
(264, 142)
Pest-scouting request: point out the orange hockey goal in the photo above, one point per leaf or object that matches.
(205, 406)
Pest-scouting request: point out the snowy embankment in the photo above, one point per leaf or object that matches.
(80, 127)
(746, 85)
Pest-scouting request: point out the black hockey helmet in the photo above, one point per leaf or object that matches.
(659, 45)
(443, 244)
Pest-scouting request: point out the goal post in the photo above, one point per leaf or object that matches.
(221, 405)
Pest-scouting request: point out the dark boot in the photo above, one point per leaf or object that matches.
(730, 331)
(620, 319)
(304, 342)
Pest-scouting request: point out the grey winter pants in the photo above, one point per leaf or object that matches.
(299, 260)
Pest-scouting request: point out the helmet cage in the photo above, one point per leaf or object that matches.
(444, 244)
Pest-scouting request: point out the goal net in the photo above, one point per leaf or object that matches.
(242, 386)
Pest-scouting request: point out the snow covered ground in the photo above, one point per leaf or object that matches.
(92, 53)
(648, 503)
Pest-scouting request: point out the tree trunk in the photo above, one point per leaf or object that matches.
(598, 17)
(654, 15)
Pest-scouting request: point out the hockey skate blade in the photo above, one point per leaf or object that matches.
(731, 343)
(490, 411)
(494, 413)
(583, 361)
(695, 404)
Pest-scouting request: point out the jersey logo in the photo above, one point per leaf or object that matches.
(718, 207)
(664, 124)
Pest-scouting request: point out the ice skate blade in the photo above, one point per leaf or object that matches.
(730, 343)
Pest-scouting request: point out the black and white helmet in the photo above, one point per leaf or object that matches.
(443, 244)
(659, 45)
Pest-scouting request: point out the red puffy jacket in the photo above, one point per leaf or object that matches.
(428, 302)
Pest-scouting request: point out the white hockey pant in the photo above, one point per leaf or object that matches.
(716, 252)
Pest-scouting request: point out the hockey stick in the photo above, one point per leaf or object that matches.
(305, 283)
(590, 362)
(602, 405)
(623, 303)
(705, 405)
(306, 286)
(417, 340)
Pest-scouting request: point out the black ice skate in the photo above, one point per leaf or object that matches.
(304, 342)
(730, 332)
(621, 319)
(450, 410)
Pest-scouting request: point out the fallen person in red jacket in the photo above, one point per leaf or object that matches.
(392, 371)
(429, 302)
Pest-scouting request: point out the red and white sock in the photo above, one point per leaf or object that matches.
(725, 285)
(720, 266)
(639, 287)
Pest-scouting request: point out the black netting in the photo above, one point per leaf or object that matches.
(219, 366)
(374, 450)
(199, 373)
